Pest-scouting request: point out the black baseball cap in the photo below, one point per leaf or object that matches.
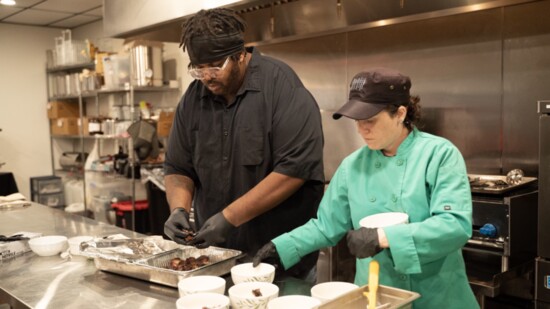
(372, 90)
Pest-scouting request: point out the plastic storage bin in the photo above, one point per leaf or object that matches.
(46, 185)
(123, 212)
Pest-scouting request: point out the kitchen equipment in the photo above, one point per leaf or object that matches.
(72, 160)
(146, 62)
(500, 254)
(542, 262)
(156, 267)
(497, 184)
(390, 298)
(374, 270)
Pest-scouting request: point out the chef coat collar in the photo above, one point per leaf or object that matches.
(405, 146)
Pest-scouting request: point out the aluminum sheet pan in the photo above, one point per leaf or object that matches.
(499, 190)
(122, 250)
(155, 269)
(388, 298)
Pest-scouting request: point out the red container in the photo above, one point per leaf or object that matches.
(123, 212)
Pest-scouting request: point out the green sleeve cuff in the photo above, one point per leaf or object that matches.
(403, 250)
(287, 250)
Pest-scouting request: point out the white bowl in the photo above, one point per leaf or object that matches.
(74, 243)
(242, 296)
(384, 219)
(330, 290)
(201, 284)
(203, 300)
(294, 302)
(247, 273)
(48, 245)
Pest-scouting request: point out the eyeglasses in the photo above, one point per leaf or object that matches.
(199, 73)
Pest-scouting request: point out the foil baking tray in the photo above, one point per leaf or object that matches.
(387, 298)
(496, 178)
(122, 250)
(156, 268)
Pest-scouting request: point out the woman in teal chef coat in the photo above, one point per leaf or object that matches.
(400, 170)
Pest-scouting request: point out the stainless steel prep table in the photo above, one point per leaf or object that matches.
(31, 281)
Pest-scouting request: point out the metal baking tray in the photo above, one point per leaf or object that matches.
(499, 190)
(155, 269)
(387, 298)
(121, 250)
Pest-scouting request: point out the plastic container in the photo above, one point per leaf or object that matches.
(123, 211)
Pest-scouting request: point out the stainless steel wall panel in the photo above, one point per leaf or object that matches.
(455, 65)
(526, 79)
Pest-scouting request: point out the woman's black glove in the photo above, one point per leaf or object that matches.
(267, 252)
(214, 231)
(177, 227)
(363, 242)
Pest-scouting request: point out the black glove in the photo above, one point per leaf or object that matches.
(177, 227)
(267, 252)
(363, 242)
(214, 231)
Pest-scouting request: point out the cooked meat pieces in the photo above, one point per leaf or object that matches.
(257, 292)
(188, 263)
(189, 234)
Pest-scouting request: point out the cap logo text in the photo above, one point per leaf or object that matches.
(358, 83)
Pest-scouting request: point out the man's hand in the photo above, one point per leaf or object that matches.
(267, 252)
(214, 231)
(363, 242)
(177, 227)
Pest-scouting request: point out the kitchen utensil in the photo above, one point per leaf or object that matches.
(374, 270)
(514, 177)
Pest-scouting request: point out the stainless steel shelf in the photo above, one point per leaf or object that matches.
(74, 67)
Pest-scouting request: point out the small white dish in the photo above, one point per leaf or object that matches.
(48, 245)
(203, 300)
(201, 284)
(247, 273)
(327, 291)
(294, 302)
(384, 219)
(252, 295)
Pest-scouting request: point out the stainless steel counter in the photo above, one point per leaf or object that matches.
(31, 281)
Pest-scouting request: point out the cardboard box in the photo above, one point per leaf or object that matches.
(10, 249)
(65, 126)
(164, 123)
(84, 124)
(61, 109)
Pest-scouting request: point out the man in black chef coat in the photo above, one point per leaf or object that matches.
(246, 144)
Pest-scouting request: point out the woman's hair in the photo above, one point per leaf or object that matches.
(211, 23)
(413, 112)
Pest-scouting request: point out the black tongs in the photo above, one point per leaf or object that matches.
(15, 237)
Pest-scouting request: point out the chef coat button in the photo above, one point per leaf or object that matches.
(394, 198)
(403, 277)
(377, 164)
(225, 133)
(372, 199)
(400, 162)
(224, 158)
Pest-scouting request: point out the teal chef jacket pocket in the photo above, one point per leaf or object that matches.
(251, 144)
